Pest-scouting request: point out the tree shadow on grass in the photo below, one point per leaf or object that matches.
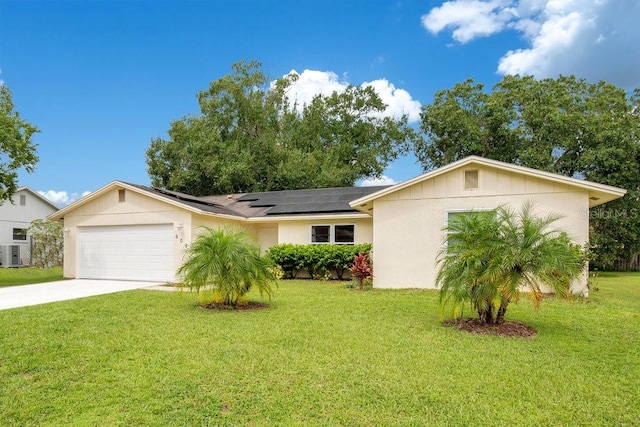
(248, 306)
(506, 329)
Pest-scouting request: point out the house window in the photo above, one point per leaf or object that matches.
(23, 200)
(470, 180)
(120, 195)
(344, 233)
(19, 234)
(457, 215)
(320, 233)
(452, 216)
(340, 233)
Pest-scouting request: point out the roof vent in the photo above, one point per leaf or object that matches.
(594, 198)
(230, 197)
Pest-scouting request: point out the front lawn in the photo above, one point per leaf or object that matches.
(320, 355)
(29, 275)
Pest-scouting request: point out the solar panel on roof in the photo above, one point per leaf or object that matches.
(307, 208)
(321, 200)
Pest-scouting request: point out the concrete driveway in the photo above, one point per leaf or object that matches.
(22, 296)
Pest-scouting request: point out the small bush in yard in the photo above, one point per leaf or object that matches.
(226, 262)
(361, 269)
(277, 272)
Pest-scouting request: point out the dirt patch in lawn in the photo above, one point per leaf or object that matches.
(506, 329)
(248, 306)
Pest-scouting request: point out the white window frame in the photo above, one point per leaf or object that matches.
(332, 233)
(320, 225)
(468, 210)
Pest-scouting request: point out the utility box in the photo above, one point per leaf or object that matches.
(9, 256)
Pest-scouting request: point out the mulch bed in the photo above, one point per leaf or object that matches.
(506, 329)
(248, 306)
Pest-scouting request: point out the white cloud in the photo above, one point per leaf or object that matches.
(398, 101)
(469, 18)
(556, 35)
(593, 39)
(311, 83)
(62, 198)
(383, 180)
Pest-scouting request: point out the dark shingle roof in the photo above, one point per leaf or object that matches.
(272, 203)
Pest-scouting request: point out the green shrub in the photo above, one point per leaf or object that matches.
(286, 257)
(47, 250)
(319, 260)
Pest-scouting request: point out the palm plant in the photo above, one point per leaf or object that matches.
(228, 263)
(493, 256)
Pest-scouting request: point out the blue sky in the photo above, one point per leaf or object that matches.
(100, 79)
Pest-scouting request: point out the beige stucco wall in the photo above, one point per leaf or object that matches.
(108, 210)
(408, 223)
(267, 236)
(199, 222)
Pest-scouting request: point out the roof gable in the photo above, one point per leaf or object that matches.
(598, 193)
(37, 195)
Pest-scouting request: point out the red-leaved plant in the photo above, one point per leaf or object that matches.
(361, 268)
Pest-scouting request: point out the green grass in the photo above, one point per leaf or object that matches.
(320, 355)
(28, 275)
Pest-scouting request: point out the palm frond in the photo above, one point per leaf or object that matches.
(493, 256)
(228, 262)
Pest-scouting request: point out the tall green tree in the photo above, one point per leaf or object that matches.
(17, 151)
(564, 125)
(492, 257)
(249, 136)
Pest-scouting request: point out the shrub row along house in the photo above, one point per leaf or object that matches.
(127, 231)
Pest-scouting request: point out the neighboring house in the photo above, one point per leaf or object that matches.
(127, 231)
(15, 217)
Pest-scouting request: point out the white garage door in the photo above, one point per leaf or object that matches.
(127, 252)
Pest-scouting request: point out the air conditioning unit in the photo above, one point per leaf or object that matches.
(9, 255)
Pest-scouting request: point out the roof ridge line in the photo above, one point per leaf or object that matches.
(188, 198)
